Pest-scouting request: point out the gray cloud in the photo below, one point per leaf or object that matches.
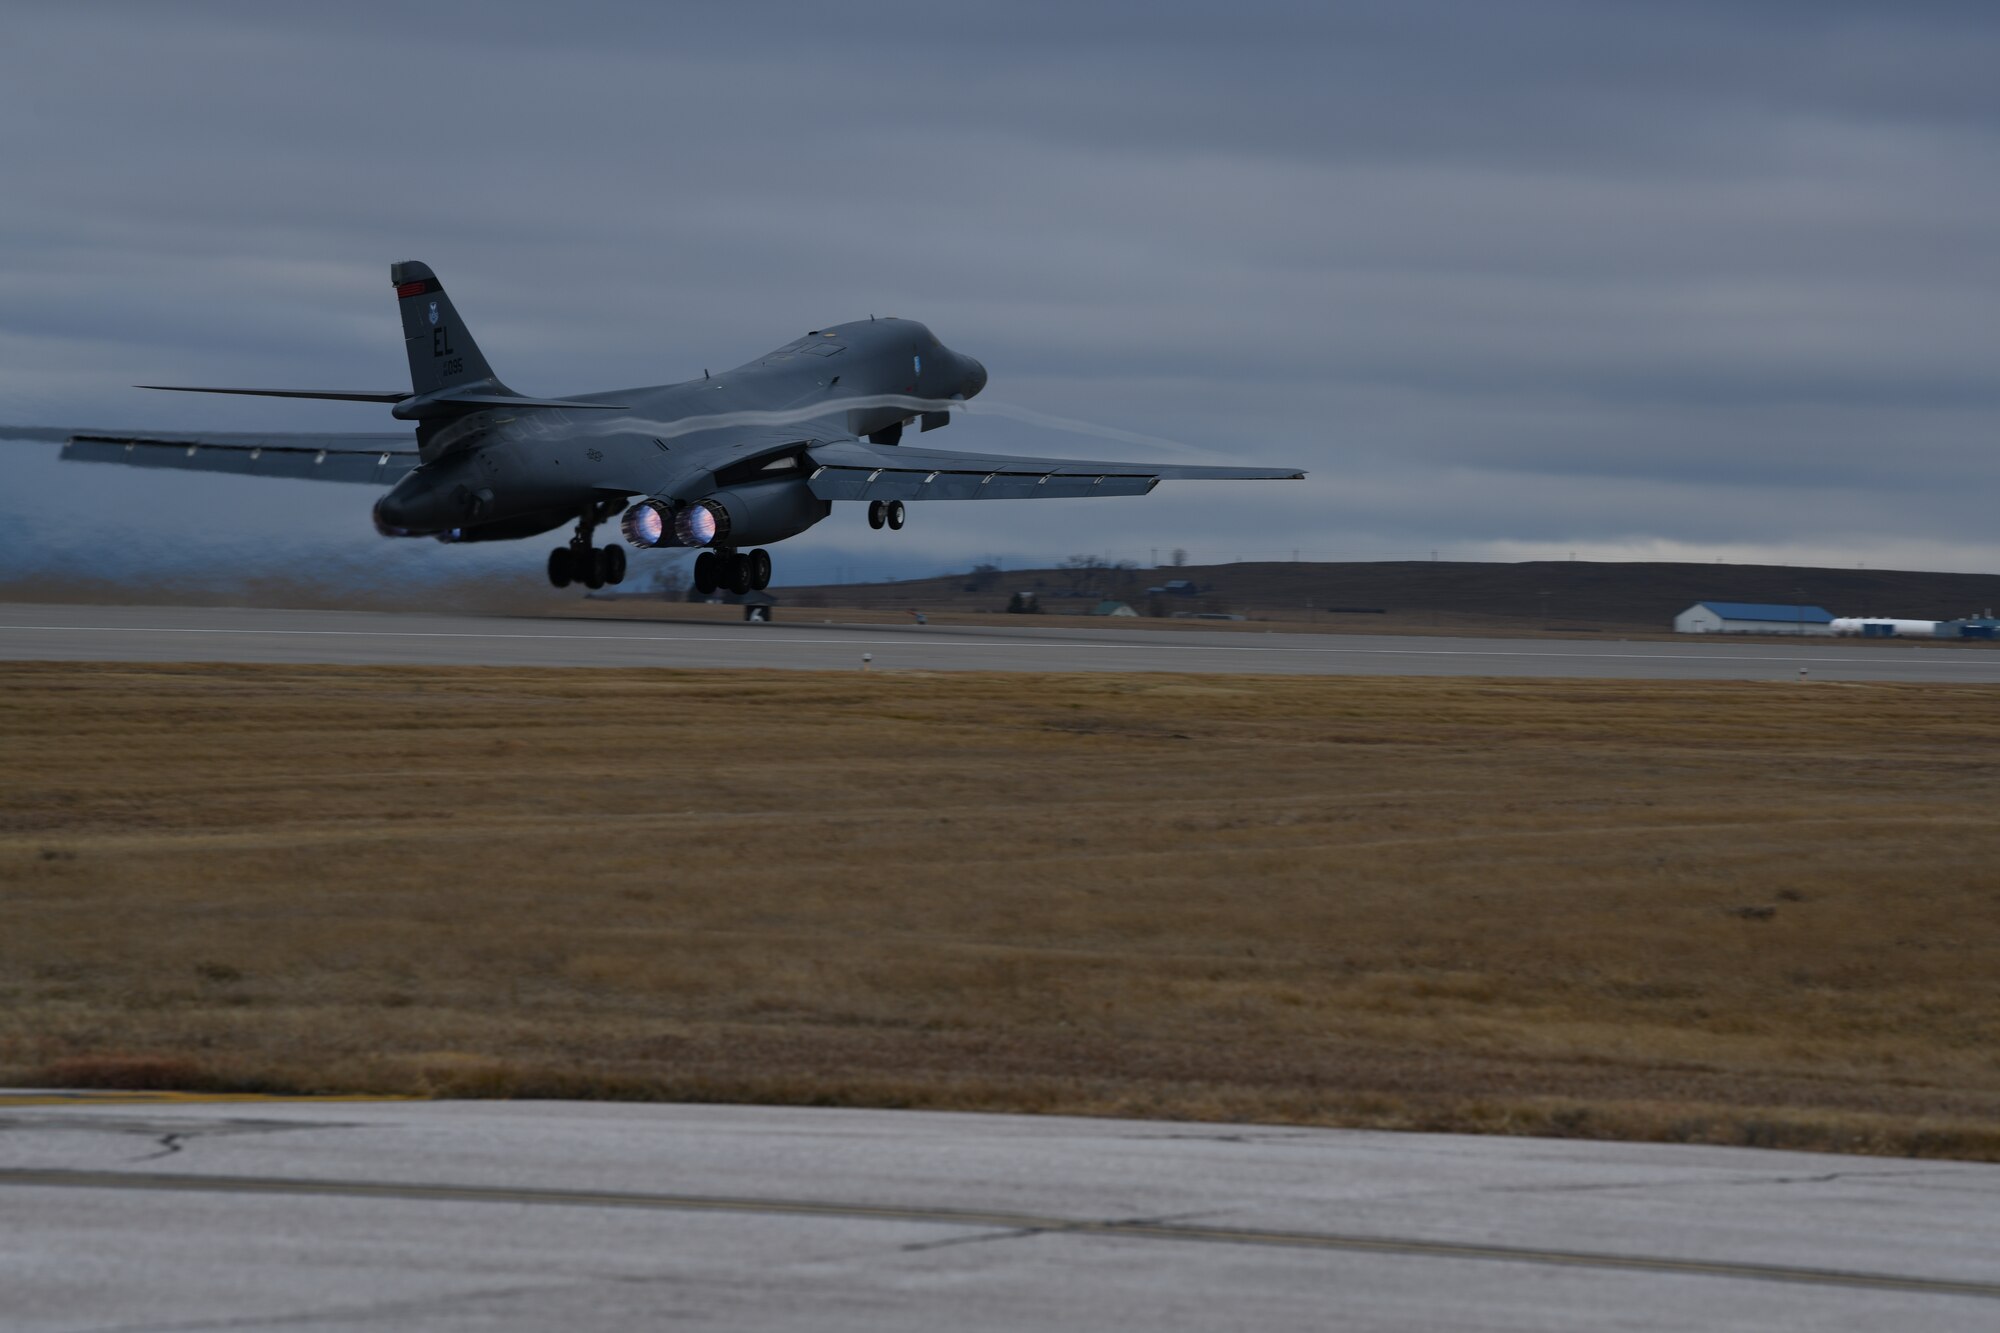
(1622, 278)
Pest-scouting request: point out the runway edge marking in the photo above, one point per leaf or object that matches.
(1025, 1222)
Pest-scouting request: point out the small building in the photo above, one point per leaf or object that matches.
(1108, 607)
(1753, 618)
(1969, 627)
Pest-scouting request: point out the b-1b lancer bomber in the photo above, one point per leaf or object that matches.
(729, 463)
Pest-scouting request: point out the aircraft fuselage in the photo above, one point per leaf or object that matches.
(501, 474)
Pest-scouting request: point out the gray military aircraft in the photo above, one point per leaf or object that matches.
(729, 463)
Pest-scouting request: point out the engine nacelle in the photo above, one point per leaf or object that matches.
(652, 523)
(763, 512)
(703, 523)
(753, 515)
(648, 523)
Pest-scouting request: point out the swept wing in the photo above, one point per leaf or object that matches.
(858, 470)
(377, 458)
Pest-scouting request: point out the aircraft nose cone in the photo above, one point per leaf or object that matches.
(975, 377)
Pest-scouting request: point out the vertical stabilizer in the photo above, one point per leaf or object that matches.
(443, 355)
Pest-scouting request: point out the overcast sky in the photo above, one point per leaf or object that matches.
(1510, 279)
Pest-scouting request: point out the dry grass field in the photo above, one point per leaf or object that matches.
(1737, 913)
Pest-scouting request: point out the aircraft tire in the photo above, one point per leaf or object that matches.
(561, 569)
(592, 560)
(893, 512)
(614, 564)
(877, 513)
(736, 574)
(759, 561)
(704, 573)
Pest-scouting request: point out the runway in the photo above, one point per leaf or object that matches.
(119, 1211)
(30, 632)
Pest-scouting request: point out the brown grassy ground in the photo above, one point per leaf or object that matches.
(1718, 912)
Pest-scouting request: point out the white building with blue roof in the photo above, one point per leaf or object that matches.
(1753, 618)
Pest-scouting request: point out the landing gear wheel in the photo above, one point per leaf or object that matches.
(590, 563)
(877, 513)
(736, 574)
(704, 573)
(895, 515)
(614, 564)
(561, 570)
(759, 561)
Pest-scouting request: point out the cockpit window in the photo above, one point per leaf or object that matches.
(815, 343)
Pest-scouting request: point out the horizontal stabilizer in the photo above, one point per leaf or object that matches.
(445, 404)
(339, 395)
(510, 400)
(407, 406)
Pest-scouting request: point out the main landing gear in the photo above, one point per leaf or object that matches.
(888, 512)
(738, 571)
(580, 562)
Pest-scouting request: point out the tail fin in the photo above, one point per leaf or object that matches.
(443, 355)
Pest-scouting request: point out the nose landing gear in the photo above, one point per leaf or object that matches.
(889, 512)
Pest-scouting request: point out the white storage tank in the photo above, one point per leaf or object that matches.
(1884, 627)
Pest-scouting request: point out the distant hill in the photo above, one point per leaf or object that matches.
(1569, 594)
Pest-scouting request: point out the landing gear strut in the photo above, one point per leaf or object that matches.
(580, 562)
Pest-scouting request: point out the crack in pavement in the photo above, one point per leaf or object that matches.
(169, 1145)
(1055, 1229)
(1000, 1220)
(1712, 1182)
(981, 1238)
(1241, 1136)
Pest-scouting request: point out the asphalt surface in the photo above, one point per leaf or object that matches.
(119, 1212)
(31, 632)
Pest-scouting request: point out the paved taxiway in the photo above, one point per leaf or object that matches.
(129, 1213)
(198, 634)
